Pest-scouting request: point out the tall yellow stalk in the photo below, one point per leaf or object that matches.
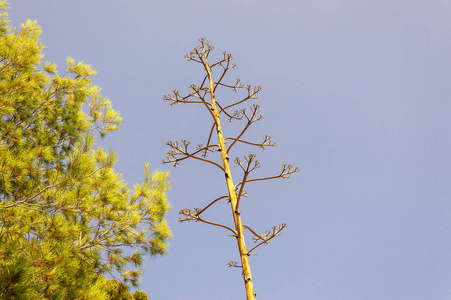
(180, 152)
(232, 194)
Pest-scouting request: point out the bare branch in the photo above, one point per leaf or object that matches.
(251, 94)
(287, 170)
(209, 138)
(227, 59)
(211, 203)
(249, 159)
(253, 117)
(182, 149)
(175, 98)
(238, 85)
(197, 53)
(233, 264)
(203, 81)
(199, 92)
(266, 236)
(267, 142)
(229, 117)
(194, 215)
(253, 232)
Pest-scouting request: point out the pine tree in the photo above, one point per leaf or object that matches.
(65, 214)
(205, 95)
(116, 290)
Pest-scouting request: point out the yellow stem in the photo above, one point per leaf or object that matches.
(231, 188)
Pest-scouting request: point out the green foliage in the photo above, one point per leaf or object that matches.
(140, 295)
(15, 279)
(65, 214)
(116, 290)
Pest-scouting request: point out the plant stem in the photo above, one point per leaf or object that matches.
(231, 189)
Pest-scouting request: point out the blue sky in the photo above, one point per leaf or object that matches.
(355, 93)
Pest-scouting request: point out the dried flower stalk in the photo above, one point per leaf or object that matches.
(205, 94)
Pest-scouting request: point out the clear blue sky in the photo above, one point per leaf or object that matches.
(355, 93)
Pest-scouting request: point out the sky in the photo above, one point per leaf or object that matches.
(355, 93)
